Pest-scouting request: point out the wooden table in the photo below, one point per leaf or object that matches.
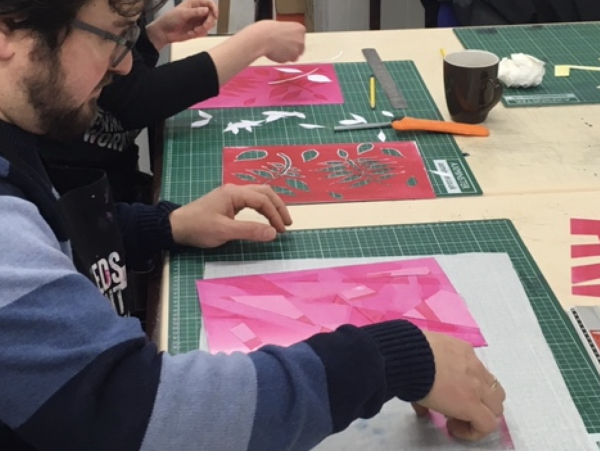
(538, 168)
(542, 220)
(530, 150)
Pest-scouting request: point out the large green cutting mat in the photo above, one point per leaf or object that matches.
(192, 159)
(573, 44)
(422, 239)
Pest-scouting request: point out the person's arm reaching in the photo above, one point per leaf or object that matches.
(76, 376)
(190, 19)
(280, 42)
(204, 223)
(147, 94)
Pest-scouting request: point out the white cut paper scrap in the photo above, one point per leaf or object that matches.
(311, 126)
(231, 127)
(276, 115)
(360, 119)
(317, 78)
(285, 113)
(381, 136)
(350, 122)
(288, 70)
(201, 123)
(387, 113)
(277, 82)
(205, 119)
(204, 114)
(251, 123)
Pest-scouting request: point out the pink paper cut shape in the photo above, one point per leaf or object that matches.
(251, 88)
(403, 272)
(325, 173)
(276, 304)
(585, 250)
(585, 273)
(586, 290)
(240, 315)
(585, 227)
(356, 292)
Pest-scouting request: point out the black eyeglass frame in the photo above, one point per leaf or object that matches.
(125, 42)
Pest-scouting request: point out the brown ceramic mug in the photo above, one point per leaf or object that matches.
(471, 84)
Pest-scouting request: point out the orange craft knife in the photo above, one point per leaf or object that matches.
(406, 124)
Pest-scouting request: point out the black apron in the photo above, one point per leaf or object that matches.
(87, 206)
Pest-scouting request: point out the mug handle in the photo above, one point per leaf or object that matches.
(498, 88)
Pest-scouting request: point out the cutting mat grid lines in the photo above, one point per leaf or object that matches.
(572, 44)
(192, 160)
(402, 240)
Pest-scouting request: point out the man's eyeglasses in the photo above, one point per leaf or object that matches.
(125, 42)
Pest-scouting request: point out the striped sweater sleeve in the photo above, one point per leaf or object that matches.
(76, 376)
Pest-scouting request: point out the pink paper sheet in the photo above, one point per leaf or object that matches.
(585, 250)
(245, 313)
(586, 290)
(585, 227)
(585, 273)
(251, 88)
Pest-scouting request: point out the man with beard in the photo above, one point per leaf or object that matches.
(76, 375)
(149, 94)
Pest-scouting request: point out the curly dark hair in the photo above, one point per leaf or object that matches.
(51, 19)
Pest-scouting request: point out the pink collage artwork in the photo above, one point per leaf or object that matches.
(244, 313)
(261, 86)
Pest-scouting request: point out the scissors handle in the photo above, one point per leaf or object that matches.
(455, 128)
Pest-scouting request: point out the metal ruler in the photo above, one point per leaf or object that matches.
(392, 92)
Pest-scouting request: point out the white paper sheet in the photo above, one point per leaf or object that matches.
(539, 410)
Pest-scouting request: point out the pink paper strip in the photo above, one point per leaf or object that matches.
(585, 250)
(251, 88)
(587, 290)
(244, 313)
(585, 273)
(585, 227)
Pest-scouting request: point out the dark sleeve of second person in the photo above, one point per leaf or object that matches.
(150, 94)
(146, 230)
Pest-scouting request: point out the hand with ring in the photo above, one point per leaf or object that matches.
(464, 390)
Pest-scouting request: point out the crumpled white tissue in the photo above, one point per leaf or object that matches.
(521, 71)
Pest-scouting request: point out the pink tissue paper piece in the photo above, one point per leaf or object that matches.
(246, 312)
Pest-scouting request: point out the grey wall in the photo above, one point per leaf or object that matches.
(341, 15)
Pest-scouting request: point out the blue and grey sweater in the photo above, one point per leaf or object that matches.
(76, 376)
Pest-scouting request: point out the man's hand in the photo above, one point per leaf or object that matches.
(464, 390)
(283, 41)
(190, 19)
(210, 220)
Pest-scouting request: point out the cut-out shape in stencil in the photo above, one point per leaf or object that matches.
(251, 88)
(244, 313)
(332, 172)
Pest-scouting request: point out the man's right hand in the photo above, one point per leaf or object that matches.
(463, 390)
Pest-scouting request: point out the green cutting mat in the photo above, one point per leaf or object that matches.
(421, 239)
(555, 44)
(192, 158)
